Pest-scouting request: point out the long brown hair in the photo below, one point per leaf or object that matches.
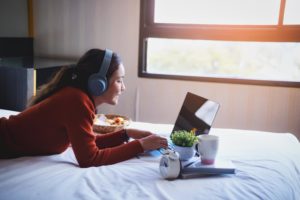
(76, 76)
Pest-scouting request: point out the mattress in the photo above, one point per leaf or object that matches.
(267, 167)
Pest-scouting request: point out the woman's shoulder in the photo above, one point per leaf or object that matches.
(74, 103)
(74, 96)
(73, 92)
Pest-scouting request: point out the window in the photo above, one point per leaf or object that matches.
(234, 41)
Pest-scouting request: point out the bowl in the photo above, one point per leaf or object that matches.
(107, 123)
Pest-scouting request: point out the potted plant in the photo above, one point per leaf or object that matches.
(184, 143)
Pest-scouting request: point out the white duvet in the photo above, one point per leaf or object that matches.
(267, 167)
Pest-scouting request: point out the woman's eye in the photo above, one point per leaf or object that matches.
(120, 80)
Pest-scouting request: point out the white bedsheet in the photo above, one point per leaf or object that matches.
(267, 167)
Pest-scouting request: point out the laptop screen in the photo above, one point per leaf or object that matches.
(197, 113)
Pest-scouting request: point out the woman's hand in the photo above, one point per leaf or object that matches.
(152, 142)
(137, 134)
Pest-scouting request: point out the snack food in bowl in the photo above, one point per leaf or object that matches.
(110, 123)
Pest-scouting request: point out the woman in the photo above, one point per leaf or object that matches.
(63, 111)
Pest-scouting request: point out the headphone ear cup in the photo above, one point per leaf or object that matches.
(97, 84)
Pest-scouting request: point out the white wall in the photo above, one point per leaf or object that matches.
(245, 107)
(13, 18)
(68, 28)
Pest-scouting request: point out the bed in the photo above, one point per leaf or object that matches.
(267, 167)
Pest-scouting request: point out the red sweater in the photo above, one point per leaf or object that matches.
(65, 118)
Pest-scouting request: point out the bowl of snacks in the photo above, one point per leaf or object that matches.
(106, 123)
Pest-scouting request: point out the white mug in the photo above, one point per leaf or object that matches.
(207, 147)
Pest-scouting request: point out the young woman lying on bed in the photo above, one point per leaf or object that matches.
(63, 111)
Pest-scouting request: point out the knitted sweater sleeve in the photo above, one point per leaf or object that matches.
(111, 139)
(83, 139)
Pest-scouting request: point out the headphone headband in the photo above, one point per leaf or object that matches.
(105, 62)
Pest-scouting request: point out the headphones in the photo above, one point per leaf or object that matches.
(97, 83)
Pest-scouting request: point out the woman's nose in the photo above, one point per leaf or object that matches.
(123, 87)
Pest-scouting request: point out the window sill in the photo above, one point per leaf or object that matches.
(221, 80)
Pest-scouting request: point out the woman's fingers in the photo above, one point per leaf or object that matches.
(164, 142)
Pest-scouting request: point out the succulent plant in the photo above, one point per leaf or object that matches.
(184, 138)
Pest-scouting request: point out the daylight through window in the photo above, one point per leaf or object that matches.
(223, 41)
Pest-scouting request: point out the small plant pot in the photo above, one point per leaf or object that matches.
(185, 153)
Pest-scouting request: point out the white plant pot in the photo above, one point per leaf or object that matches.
(185, 153)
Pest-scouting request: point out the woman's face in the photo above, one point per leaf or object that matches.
(115, 88)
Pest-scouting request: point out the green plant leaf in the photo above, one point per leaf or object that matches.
(184, 138)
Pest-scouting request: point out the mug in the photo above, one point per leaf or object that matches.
(207, 147)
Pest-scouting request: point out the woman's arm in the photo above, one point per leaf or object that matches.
(137, 134)
(111, 139)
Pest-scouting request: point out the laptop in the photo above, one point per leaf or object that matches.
(197, 113)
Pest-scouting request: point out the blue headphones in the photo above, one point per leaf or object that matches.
(97, 83)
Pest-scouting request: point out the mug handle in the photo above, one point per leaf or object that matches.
(196, 148)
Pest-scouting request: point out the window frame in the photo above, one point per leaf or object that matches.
(255, 33)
